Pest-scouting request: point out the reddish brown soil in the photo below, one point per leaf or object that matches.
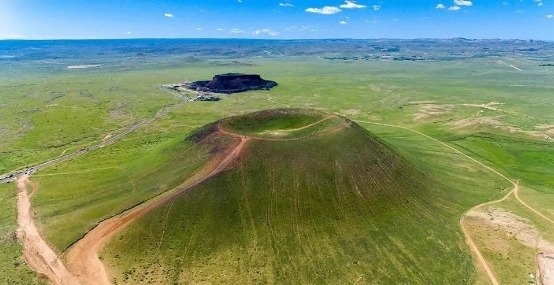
(82, 257)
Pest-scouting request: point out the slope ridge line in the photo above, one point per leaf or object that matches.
(469, 241)
(82, 257)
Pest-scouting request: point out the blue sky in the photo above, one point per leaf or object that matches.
(280, 19)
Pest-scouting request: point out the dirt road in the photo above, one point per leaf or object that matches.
(38, 255)
(82, 257)
(516, 193)
(545, 267)
(8, 177)
(472, 244)
(473, 247)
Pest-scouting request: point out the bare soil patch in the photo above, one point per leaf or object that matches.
(38, 254)
(84, 66)
(351, 112)
(491, 106)
(544, 127)
(428, 111)
(514, 226)
(478, 121)
(545, 274)
(548, 129)
(520, 229)
(495, 123)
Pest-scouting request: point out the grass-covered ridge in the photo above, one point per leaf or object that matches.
(282, 123)
(334, 208)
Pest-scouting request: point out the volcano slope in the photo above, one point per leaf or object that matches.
(312, 199)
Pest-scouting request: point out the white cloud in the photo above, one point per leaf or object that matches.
(351, 5)
(240, 1)
(220, 29)
(236, 31)
(327, 10)
(463, 3)
(265, 32)
(343, 22)
(168, 15)
(454, 8)
(129, 32)
(440, 6)
(550, 16)
(539, 3)
(286, 5)
(198, 29)
(376, 7)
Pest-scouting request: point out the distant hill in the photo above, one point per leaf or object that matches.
(233, 83)
(313, 199)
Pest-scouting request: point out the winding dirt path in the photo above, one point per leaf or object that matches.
(82, 257)
(340, 127)
(38, 254)
(514, 191)
(469, 240)
(278, 103)
(472, 244)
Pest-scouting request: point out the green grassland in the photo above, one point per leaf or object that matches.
(512, 261)
(333, 208)
(13, 269)
(112, 180)
(45, 114)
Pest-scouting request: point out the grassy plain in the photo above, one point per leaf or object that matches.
(68, 109)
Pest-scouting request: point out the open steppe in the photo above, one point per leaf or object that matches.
(456, 133)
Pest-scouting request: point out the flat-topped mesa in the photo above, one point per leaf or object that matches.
(233, 83)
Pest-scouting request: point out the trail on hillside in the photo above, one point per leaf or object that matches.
(545, 269)
(469, 240)
(38, 255)
(83, 258)
(516, 193)
(340, 127)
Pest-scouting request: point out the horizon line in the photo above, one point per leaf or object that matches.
(266, 39)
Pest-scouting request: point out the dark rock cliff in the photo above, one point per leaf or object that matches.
(233, 83)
